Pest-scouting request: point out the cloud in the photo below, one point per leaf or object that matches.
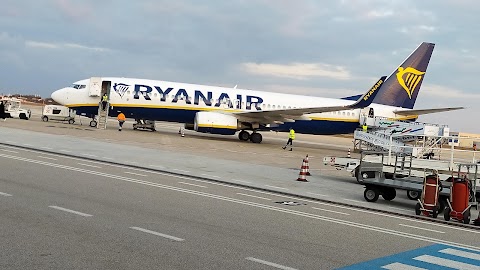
(439, 91)
(46, 45)
(374, 14)
(75, 10)
(298, 71)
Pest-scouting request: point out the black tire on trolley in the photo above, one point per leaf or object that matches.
(435, 212)
(446, 213)
(371, 194)
(413, 194)
(389, 194)
(417, 209)
(466, 216)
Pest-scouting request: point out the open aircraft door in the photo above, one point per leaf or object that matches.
(367, 116)
(95, 87)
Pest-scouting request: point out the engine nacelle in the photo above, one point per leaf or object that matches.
(215, 123)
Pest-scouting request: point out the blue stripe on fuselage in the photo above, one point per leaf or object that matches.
(318, 127)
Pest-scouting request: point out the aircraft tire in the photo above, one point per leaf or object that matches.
(256, 137)
(244, 135)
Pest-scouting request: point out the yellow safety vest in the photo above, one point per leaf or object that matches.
(292, 134)
(364, 128)
(105, 98)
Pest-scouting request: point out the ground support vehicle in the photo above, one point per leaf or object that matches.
(13, 109)
(58, 113)
(371, 174)
(144, 124)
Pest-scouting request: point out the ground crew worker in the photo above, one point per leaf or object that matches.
(364, 127)
(104, 101)
(291, 137)
(121, 119)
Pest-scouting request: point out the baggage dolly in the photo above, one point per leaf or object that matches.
(462, 196)
(428, 204)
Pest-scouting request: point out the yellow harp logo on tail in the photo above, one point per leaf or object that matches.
(408, 78)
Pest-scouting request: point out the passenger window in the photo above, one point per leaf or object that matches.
(56, 111)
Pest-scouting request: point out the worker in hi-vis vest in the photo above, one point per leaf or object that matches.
(121, 119)
(104, 101)
(364, 127)
(291, 137)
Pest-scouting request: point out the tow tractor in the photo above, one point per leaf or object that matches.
(13, 109)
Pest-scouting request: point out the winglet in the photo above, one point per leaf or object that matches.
(367, 98)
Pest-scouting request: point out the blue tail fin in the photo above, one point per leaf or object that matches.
(402, 86)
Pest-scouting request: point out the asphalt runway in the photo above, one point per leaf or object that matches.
(69, 213)
(49, 199)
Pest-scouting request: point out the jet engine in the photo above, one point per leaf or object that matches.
(215, 123)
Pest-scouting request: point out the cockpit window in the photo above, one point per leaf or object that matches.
(79, 86)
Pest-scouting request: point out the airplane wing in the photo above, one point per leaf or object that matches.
(426, 111)
(290, 115)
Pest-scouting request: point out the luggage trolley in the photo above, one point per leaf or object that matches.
(462, 194)
(428, 204)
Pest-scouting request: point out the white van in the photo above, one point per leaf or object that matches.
(58, 113)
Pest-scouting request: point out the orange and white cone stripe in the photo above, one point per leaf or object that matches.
(302, 176)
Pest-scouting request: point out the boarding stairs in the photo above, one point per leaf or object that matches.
(102, 116)
(404, 137)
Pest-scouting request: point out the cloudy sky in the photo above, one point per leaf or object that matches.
(319, 48)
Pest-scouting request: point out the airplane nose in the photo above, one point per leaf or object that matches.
(58, 96)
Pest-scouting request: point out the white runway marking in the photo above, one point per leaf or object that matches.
(132, 173)
(401, 266)
(107, 158)
(242, 181)
(158, 234)
(157, 166)
(357, 201)
(254, 196)
(276, 187)
(5, 194)
(89, 155)
(278, 266)
(211, 176)
(318, 194)
(26, 144)
(461, 253)
(178, 170)
(420, 228)
(446, 262)
(336, 212)
(44, 147)
(397, 208)
(192, 184)
(66, 151)
(70, 211)
(47, 157)
(10, 151)
(10, 142)
(88, 165)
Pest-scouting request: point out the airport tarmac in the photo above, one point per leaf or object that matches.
(221, 158)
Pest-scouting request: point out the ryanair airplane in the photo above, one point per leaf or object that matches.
(221, 110)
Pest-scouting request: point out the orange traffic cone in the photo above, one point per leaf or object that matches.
(302, 176)
(307, 165)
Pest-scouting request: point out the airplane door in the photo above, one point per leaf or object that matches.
(371, 117)
(95, 87)
(363, 116)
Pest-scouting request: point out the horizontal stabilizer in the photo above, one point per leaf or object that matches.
(426, 111)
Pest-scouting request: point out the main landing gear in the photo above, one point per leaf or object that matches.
(254, 137)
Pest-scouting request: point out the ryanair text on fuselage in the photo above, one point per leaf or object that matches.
(206, 97)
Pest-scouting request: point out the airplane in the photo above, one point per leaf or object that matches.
(221, 110)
